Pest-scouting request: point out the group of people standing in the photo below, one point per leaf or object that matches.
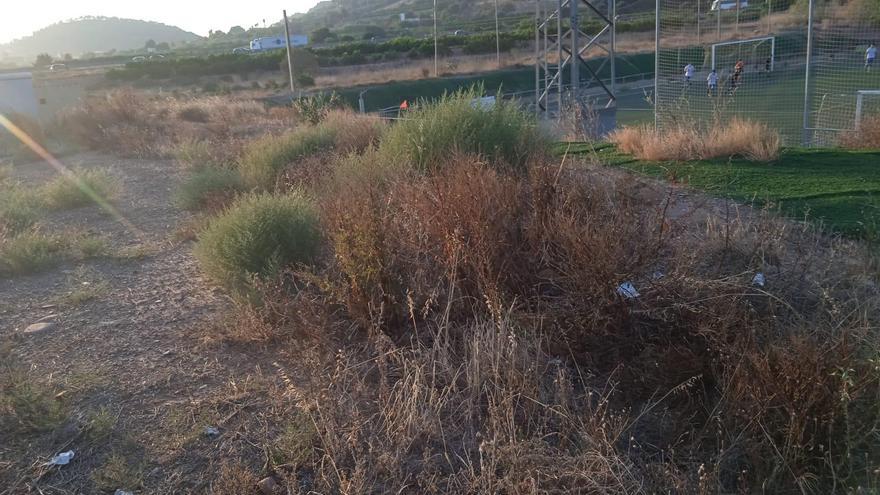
(712, 78)
(739, 68)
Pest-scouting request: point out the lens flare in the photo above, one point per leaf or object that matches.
(67, 173)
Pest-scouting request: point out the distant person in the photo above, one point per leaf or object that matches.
(870, 57)
(712, 83)
(688, 73)
(738, 69)
(737, 75)
(768, 65)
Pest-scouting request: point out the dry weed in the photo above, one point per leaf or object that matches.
(736, 137)
(867, 136)
(499, 355)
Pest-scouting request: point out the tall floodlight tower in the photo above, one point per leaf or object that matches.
(574, 67)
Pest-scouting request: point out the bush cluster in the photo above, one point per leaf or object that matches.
(458, 122)
(496, 329)
(258, 237)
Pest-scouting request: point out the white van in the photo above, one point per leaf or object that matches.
(729, 4)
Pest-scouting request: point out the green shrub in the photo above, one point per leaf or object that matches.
(29, 252)
(503, 134)
(314, 108)
(208, 187)
(257, 237)
(19, 208)
(83, 188)
(265, 158)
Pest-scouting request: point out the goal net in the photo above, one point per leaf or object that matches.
(756, 53)
(867, 106)
(758, 63)
(840, 75)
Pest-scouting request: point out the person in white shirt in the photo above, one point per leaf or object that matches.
(870, 56)
(688, 73)
(712, 83)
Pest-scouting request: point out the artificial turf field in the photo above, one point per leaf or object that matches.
(775, 98)
(839, 189)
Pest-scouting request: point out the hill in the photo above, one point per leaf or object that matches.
(469, 15)
(94, 34)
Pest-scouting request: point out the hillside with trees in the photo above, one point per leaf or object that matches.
(95, 35)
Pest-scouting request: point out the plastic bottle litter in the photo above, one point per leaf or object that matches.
(627, 290)
(122, 492)
(759, 280)
(211, 431)
(61, 459)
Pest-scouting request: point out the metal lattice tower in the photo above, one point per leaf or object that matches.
(562, 49)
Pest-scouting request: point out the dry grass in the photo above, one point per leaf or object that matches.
(136, 124)
(867, 137)
(496, 354)
(734, 138)
(411, 70)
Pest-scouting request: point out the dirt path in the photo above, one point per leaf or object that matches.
(127, 354)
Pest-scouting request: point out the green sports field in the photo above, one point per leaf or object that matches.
(775, 98)
(838, 189)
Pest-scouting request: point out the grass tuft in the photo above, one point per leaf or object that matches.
(504, 134)
(30, 251)
(119, 473)
(27, 404)
(193, 113)
(209, 188)
(257, 237)
(265, 158)
(20, 208)
(80, 189)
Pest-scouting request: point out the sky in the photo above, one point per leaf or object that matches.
(21, 18)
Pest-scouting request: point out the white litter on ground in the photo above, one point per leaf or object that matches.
(627, 290)
(759, 280)
(61, 459)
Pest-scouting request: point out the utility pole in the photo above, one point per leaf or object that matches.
(436, 50)
(289, 52)
(497, 38)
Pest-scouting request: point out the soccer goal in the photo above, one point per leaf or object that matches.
(867, 104)
(760, 52)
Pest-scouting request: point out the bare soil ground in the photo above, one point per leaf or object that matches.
(128, 356)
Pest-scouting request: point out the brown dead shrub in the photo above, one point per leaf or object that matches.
(192, 113)
(866, 137)
(495, 330)
(736, 137)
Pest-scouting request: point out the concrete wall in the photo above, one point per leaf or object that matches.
(17, 94)
(56, 94)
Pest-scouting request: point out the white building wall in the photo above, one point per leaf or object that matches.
(17, 94)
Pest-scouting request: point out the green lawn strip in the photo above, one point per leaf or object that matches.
(840, 189)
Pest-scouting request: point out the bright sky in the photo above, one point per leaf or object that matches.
(21, 18)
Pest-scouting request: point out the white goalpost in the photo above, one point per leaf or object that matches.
(751, 41)
(860, 104)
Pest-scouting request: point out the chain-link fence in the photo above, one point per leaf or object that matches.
(803, 67)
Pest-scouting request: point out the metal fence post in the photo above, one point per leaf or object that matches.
(656, 60)
(807, 132)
